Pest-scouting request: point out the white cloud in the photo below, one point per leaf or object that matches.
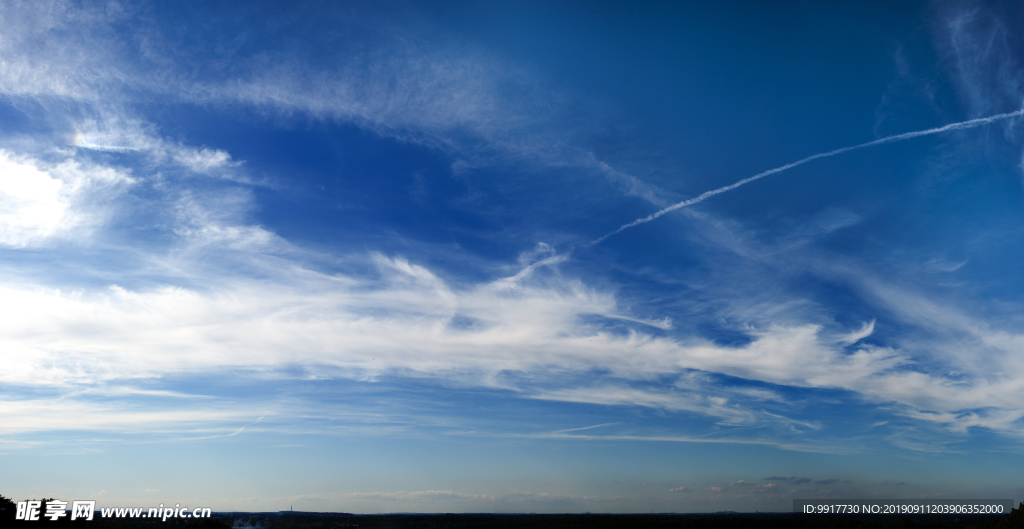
(39, 200)
(112, 130)
(34, 415)
(30, 201)
(405, 321)
(853, 337)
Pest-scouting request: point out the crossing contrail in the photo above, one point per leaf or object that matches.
(888, 139)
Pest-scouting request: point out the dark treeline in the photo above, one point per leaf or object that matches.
(301, 520)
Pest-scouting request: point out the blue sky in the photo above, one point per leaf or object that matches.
(362, 256)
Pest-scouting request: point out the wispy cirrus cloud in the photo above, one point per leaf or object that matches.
(977, 45)
(406, 320)
(89, 77)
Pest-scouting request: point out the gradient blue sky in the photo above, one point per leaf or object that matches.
(340, 255)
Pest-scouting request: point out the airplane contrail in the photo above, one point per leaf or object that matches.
(888, 139)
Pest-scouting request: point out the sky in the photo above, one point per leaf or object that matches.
(460, 256)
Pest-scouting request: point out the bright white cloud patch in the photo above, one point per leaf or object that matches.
(31, 203)
(39, 200)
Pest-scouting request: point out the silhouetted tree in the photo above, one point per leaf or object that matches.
(208, 523)
(1014, 520)
(7, 510)
(42, 510)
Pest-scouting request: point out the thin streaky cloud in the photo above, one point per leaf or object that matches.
(794, 447)
(589, 427)
(881, 141)
(232, 434)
